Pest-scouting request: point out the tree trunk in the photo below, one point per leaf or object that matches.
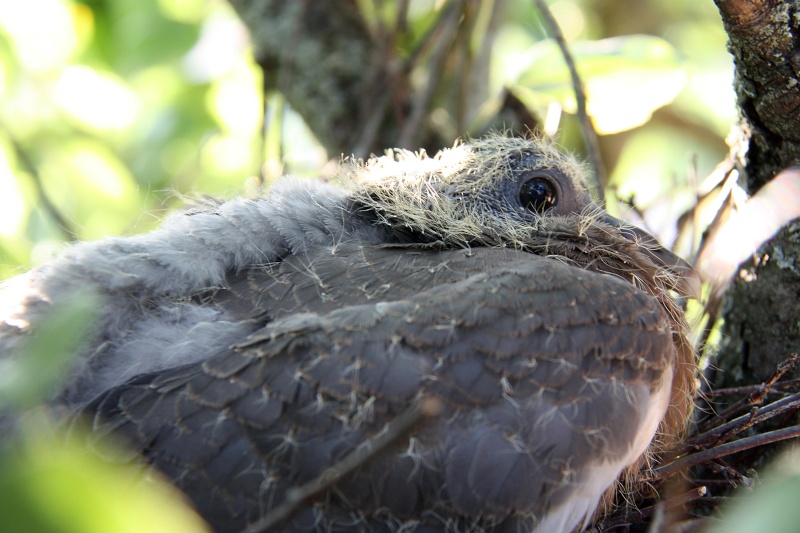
(762, 308)
(321, 57)
(355, 88)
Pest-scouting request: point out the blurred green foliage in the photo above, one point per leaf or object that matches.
(45, 356)
(49, 484)
(626, 79)
(111, 110)
(772, 506)
(52, 482)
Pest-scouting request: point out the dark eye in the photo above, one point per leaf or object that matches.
(538, 195)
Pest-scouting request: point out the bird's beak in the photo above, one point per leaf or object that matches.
(688, 282)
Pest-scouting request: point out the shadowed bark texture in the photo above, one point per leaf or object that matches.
(322, 58)
(363, 87)
(763, 39)
(761, 311)
(762, 308)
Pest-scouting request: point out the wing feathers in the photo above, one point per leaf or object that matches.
(534, 363)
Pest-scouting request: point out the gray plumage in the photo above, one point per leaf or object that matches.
(245, 347)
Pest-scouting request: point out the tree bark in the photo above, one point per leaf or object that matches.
(328, 66)
(761, 311)
(763, 39)
(357, 82)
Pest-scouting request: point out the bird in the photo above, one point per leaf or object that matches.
(447, 343)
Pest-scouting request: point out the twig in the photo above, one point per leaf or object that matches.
(423, 97)
(726, 449)
(428, 40)
(637, 515)
(369, 131)
(725, 431)
(737, 425)
(473, 88)
(589, 133)
(401, 24)
(757, 396)
(382, 80)
(730, 475)
(63, 224)
(748, 389)
(367, 451)
(463, 64)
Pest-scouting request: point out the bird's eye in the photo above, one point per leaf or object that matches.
(538, 195)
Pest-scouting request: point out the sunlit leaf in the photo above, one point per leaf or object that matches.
(227, 155)
(771, 506)
(5, 69)
(235, 101)
(625, 78)
(136, 35)
(97, 100)
(223, 41)
(186, 11)
(88, 182)
(27, 22)
(654, 163)
(51, 484)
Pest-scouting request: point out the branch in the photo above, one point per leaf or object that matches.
(65, 225)
(447, 25)
(756, 393)
(589, 133)
(763, 44)
(749, 389)
(323, 59)
(726, 449)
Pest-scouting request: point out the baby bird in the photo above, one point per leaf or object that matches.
(245, 348)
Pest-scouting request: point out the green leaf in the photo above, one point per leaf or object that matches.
(625, 79)
(88, 182)
(27, 379)
(53, 484)
(771, 506)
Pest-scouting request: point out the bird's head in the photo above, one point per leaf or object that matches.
(478, 193)
(518, 192)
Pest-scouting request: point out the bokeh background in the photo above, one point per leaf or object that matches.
(115, 111)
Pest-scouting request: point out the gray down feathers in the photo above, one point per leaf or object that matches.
(147, 320)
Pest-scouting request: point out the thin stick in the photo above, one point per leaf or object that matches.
(725, 431)
(727, 449)
(382, 80)
(636, 516)
(748, 389)
(589, 133)
(757, 396)
(297, 497)
(737, 425)
(409, 135)
(50, 208)
(429, 39)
